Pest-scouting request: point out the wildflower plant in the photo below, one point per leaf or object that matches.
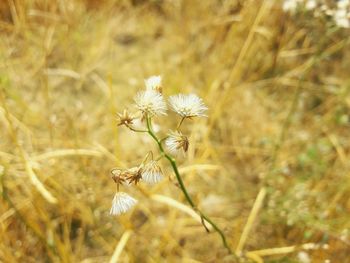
(150, 104)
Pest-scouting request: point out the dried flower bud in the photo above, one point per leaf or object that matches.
(118, 176)
(133, 175)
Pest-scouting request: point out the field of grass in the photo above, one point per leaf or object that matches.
(270, 165)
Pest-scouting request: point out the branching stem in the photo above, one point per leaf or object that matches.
(173, 164)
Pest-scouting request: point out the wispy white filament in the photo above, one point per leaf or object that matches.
(151, 102)
(122, 202)
(188, 105)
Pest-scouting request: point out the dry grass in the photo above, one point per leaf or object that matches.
(278, 89)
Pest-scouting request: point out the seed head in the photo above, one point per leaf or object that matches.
(151, 173)
(176, 142)
(150, 102)
(122, 202)
(188, 106)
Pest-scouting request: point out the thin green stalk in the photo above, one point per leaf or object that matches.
(173, 164)
(133, 129)
(179, 125)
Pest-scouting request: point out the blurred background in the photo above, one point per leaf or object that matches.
(275, 77)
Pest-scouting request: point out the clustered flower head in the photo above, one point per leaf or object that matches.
(150, 103)
(340, 13)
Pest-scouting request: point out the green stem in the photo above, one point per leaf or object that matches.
(172, 161)
(179, 125)
(133, 129)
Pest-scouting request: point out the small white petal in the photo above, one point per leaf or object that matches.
(151, 102)
(122, 202)
(188, 105)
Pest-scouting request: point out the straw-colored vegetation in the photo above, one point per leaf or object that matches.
(270, 165)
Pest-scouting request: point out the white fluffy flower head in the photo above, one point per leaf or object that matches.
(188, 106)
(150, 102)
(122, 202)
(154, 83)
(176, 143)
(152, 173)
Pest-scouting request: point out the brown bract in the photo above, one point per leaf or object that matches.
(130, 176)
(125, 118)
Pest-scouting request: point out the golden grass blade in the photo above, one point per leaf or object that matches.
(119, 248)
(6, 215)
(339, 149)
(66, 152)
(201, 167)
(36, 182)
(7, 156)
(248, 40)
(256, 258)
(284, 250)
(251, 219)
(8, 117)
(110, 155)
(63, 72)
(173, 203)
